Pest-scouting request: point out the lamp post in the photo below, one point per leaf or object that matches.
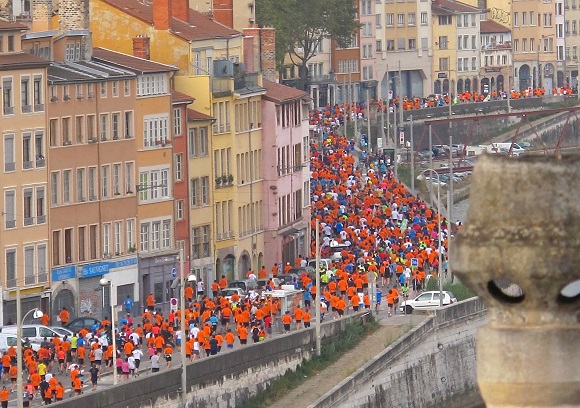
(104, 282)
(395, 136)
(412, 156)
(182, 323)
(318, 293)
(19, 320)
(439, 267)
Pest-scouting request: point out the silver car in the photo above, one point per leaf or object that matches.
(427, 301)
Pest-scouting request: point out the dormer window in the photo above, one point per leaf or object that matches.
(73, 51)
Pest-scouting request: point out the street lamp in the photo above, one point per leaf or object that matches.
(104, 282)
(19, 320)
(439, 268)
(396, 153)
(190, 278)
(412, 146)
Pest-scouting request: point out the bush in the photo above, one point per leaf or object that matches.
(460, 291)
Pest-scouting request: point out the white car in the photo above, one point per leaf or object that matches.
(229, 292)
(427, 301)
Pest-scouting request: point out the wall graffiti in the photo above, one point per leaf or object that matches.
(86, 307)
(499, 15)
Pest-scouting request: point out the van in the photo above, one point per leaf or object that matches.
(246, 285)
(33, 332)
(8, 340)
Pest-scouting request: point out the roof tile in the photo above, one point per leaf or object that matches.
(276, 92)
(130, 62)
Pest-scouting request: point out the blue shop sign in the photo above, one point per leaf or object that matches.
(96, 269)
(64, 273)
(101, 268)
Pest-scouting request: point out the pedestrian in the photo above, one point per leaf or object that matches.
(155, 362)
(168, 351)
(59, 392)
(78, 385)
(132, 366)
(64, 316)
(137, 355)
(128, 302)
(95, 374)
(287, 320)
(126, 369)
(4, 396)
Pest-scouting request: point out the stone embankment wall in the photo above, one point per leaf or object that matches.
(221, 381)
(433, 365)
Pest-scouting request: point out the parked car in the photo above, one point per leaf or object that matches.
(263, 282)
(35, 333)
(229, 292)
(82, 322)
(62, 331)
(8, 340)
(324, 263)
(426, 301)
(288, 279)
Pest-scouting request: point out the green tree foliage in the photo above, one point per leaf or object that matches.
(302, 24)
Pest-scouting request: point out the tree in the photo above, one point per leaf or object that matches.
(302, 24)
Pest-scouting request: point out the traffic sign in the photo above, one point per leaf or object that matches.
(174, 273)
(414, 262)
(173, 303)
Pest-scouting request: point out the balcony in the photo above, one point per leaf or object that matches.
(322, 79)
(224, 86)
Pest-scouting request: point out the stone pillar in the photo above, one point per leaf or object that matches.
(6, 9)
(519, 248)
(42, 15)
(73, 15)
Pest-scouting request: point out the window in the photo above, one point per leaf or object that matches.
(40, 206)
(400, 43)
(166, 234)
(66, 132)
(25, 95)
(10, 43)
(144, 237)
(106, 239)
(424, 43)
(91, 128)
(79, 134)
(411, 19)
(459, 64)
(177, 121)
(130, 235)
(103, 88)
(152, 84)
(524, 44)
(26, 151)
(524, 18)
(28, 210)
(41, 269)
(378, 46)
(11, 268)
(390, 45)
(115, 88)
(443, 64)
(204, 190)
(155, 130)
(443, 42)
(532, 18)
(154, 184)
(389, 19)
(92, 183)
(516, 45)
(179, 209)
(473, 42)
(127, 87)
(39, 148)
(104, 119)
(377, 21)
(116, 179)
(401, 19)
(459, 42)
(80, 185)
(194, 192)
(444, 20)
(423, 18)
(412, 43)
(66, 180)
(54, 188)
(128, 125)
(205, 240)
(93, 241)
(178, 163)
(105, 181)
(115, 123)
(129, 177)
(117, 231)
(7, 102)
(474, 63)
(9, 209)
(516, 19)
(81, 234)
(37, 94)
(156, 235)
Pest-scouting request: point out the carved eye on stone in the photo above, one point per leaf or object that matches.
(506, 291)
(570, 293)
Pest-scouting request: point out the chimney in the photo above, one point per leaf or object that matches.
(251, 49)
(42, 15)
(268, 53)
(162, 14)
(223, 12)
(180, 9)
(73, 15)
(141, 46)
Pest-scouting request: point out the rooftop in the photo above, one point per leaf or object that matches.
(20, 60)
(130, 62)
(454, 7)
(279, 93)
(199, 27)
(85, 71)
(6, 25)
(178, 97)
(195, 115)
(490, 26)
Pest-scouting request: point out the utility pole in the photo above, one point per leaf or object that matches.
(369, 123)
(431, 165)
(389, 109)
(412, 158)
(317, 300)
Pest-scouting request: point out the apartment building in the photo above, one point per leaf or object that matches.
(534, 44)
(572, 39)
(404, 40)
(157, 254)
(368, 42)
(91, 163)
(286, 214)
(199, 203)
(496, 57)
(24, 244)
(181, 168)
